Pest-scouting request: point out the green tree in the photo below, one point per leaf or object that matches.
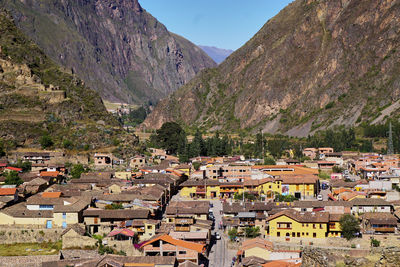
(252, 232)
(114, 206)
(67, 144)
(269, 161)
(46, 141)
(12, 178)
(232, 234)
(349, 225)
(170, 137)
(26, 166)
(375, 243)
(77, 170)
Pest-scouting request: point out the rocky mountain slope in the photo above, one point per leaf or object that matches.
(116, 47)
(317, 64)
(217, 54)
(38, 99)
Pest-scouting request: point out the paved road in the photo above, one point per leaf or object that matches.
(220, 255)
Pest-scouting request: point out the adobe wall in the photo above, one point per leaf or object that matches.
(27, 261)
(10, 235)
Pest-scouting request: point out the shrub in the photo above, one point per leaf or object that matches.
(46, 141)
(232, 234)
(375, 243)
(349, 225)
(67, 144)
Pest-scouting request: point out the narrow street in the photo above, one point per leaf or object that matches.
(220, 255)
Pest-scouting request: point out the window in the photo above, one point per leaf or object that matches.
(302, 225)
(278, 234)
(314, 235)
(293, 234)
(321, 226)
(270, 187)
(64, 215)
(298, 234)
(284, 225)
(149, 226)
(307, 225)
(313, 226)
(302, 233)
(182, 252)
(307, 233)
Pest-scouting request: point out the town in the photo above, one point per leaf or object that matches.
(152, 210)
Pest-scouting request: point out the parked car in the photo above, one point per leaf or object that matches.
(217, 236)
(320, 198)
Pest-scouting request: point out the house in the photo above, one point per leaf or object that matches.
(123, 175)
(9, 169)
(310, 152)
(37, 157)
(333, 207)
(116, 261)
(138, 162)
(145, 229)
(102, 221)
(180, 212)
(299, 186)
(324, 150)
(290, 223)
(74, 236)
(47, 211)
(165, 245)
(379, 222)
(363, 205)
(9, 194)
(34, 186)
(103, 160)
(261, 248)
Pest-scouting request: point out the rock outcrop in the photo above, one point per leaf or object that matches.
(116, 47)
(315, 65)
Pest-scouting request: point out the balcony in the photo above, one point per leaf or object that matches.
(184, 221)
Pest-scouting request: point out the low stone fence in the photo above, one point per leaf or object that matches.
(10, 235)
(27, 261)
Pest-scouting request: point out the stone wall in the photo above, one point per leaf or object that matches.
(27, 261)
(78, 242)
(10, 235)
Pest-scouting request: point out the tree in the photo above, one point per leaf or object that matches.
(232, 234)
(12, 178)
(170, 136)
(269, 161)
(349, 225)
(77, 170)
(46, 141)
(67, 144)
(375, 243)
(26, 166)
(252, 232)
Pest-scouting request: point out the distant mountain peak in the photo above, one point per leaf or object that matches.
(217, 54)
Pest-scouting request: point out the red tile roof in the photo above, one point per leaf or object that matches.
(50, 174)
(7, 191)
(14, 169)
(51, 194)
(185, 244)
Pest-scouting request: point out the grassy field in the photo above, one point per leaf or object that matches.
(30, 249)
(111, 105)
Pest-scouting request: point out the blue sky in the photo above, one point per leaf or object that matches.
(225, 24)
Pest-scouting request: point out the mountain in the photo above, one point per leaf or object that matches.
(217, 54)
(315, 65)
(38, 98)
(115, 46)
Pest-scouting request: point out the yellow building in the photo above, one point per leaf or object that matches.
(200, 189)
(300, 186)
(291, 223)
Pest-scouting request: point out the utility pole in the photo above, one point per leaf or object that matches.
(390, 150)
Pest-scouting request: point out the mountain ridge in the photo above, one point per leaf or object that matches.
(217, 54)
(116, 47)
(315, 65)
(37, 98)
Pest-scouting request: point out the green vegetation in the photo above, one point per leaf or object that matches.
(12, 178)
(46, 141)
(284, 198)
(375, 243)
(350, 226)
(232, 233)
(114, 206)
(323, 175)
(77, 170)
(30, 249)
(26, 166)
(252, 232)
(247, 196)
